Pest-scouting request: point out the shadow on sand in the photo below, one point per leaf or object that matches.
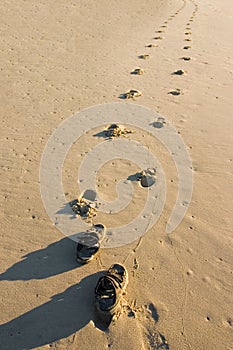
(63, 315)
(53, 260)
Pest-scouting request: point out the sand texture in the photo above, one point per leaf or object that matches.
(58, 58)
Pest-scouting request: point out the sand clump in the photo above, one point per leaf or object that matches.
(83, 208)
(115, 130)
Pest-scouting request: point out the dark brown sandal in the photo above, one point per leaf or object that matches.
(109, 290)
(89, 244)
(87, 248)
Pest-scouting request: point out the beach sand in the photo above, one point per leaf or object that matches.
(59, 57)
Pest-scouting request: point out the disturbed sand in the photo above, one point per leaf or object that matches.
(57, 58)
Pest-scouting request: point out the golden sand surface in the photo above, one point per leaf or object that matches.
(59, 57)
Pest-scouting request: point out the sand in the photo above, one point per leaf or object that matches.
(59, 57)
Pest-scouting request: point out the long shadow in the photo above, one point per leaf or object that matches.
(55, 259)
(67, 209)
(63, 315)
(134, 177)
(102, 134)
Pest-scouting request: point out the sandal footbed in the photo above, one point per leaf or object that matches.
(107, 301)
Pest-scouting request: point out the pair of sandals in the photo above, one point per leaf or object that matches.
(112, 285)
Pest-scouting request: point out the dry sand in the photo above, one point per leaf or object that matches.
(58, 57)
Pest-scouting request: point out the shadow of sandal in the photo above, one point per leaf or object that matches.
(56, 258)
(65, 314)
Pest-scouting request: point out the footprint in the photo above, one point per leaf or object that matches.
(176, 92)
(158, 37)
(143, 320)
(160, 31)
(159, 123)
(138, 71)
(179, 72)
(188, 39)
(186, 58)
(151, 45)
(186, 47)
(157, 341)
(154, 313)
(230, 321)
(146, 177)
(130, 94)
(144, 57)
(83, 207)
(112, 131)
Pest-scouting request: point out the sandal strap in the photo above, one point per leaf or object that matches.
(115, 278)
(111, 280)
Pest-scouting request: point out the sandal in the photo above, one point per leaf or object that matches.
(89, 244)
(110, 289)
